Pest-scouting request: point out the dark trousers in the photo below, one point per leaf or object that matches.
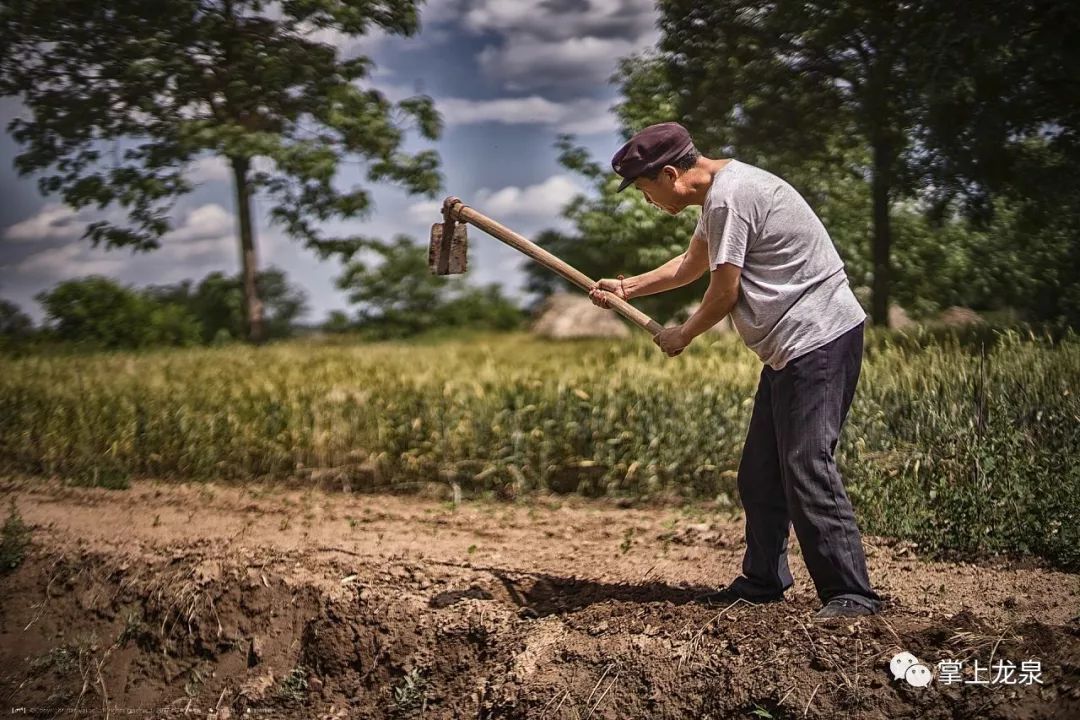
(788, 476)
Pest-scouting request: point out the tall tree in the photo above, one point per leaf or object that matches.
(168, 81)
(1003, 123)
(938, 94)
(780, 80)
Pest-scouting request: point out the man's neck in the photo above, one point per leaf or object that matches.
(701, 177)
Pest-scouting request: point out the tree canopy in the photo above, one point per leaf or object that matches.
(935, 140)
(124, 95)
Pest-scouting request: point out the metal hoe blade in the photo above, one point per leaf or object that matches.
(447, 254)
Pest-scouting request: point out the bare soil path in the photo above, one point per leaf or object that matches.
(276, 602)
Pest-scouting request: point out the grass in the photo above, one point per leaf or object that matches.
(411, 692)
(14, 540)
(294, 686)
(964, 442)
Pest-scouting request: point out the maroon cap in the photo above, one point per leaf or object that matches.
(651, 149)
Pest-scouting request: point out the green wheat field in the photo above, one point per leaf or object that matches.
(968, 444)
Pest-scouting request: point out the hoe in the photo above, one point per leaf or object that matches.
(449, 244)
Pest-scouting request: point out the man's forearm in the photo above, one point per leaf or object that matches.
(714, 307)
(672, 274)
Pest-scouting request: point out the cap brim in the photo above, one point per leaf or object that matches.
(627, 182)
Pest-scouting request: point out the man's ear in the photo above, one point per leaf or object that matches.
(670, 172)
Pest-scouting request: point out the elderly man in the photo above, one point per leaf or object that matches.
(774, 268)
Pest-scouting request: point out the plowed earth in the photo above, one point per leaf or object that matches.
(220, 601)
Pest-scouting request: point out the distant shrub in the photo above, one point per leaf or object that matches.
(98, 311)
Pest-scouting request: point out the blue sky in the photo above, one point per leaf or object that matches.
(507, 77)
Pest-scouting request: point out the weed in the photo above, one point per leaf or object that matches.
(133, 628)
(411, 693)
(294, 686)
(60, 659)
(14, 540)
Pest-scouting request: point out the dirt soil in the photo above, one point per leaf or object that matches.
(227, 602)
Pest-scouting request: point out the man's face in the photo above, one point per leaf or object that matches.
(663, 192)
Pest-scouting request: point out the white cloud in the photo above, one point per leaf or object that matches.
(583, 115)
(349, 46)
(55, 221)
(435, 12)
(561, 19)
(524, 209)
(542, 201)
(207, 234)
(71, 260)
(578, 116)
(214, 168)
(579, 62)
(207, 169)
(559, 43)
(206, 229)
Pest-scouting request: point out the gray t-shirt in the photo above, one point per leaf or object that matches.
(794, 295)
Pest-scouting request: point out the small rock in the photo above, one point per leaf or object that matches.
(256, 688)
(255, 651)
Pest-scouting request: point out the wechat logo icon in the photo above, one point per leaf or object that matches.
(907, 667)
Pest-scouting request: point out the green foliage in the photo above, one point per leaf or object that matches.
(16, 328)
(971, 449)
(217, 303)
(337, 322)
(294, 686)
(400, 296)
(861, 107)
(14, 539)
(103, 474)
(100, 312)
(175, 80)
(14, 323)
(411, 693)
(1000, 108)
(958, 440)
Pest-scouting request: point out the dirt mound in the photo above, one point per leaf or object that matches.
(538, 624)
(957, 316)
(566, 315)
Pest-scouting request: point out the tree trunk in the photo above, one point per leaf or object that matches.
(248, 259)
(879, 304)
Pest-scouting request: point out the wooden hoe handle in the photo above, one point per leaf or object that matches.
(457, 210)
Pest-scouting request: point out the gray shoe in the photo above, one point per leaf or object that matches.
(841, 608)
